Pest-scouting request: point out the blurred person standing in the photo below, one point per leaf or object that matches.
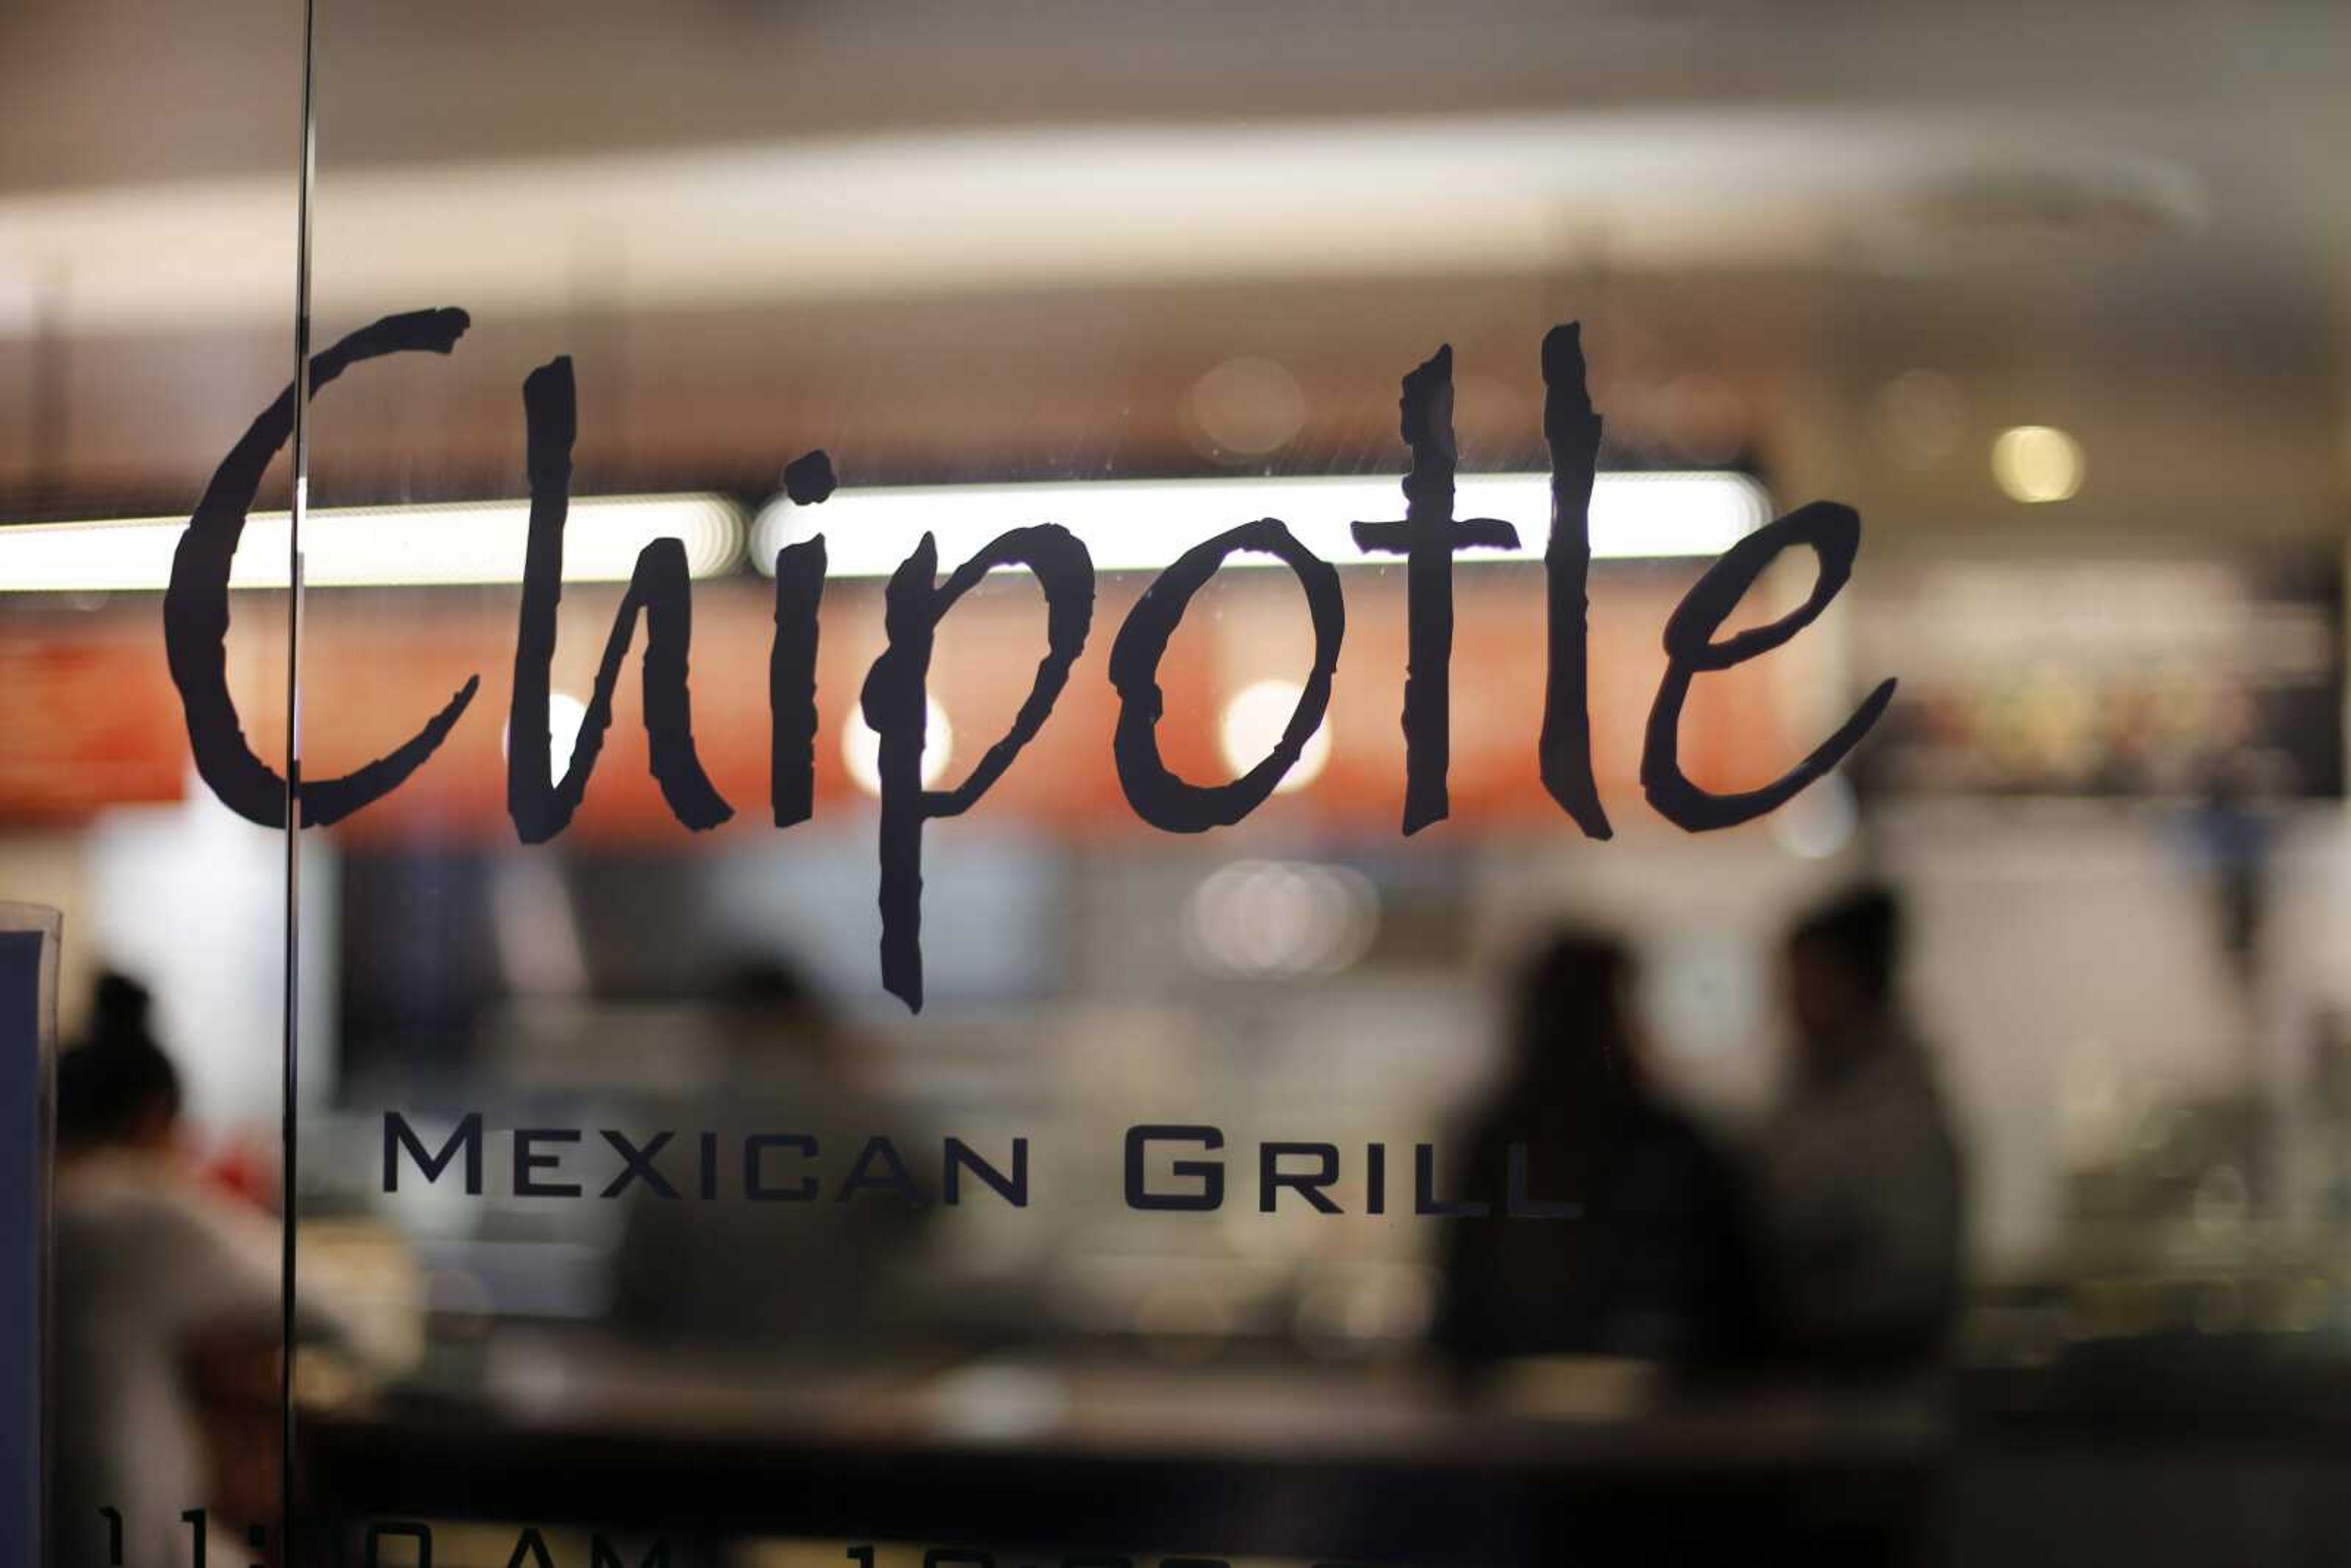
(154, 1273)
(808, 1280)
(1657, 1266)
(1859, 1184)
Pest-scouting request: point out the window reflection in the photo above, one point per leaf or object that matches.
(2038, 1212)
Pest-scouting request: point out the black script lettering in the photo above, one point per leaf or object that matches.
(1157, 794)
(791, 681)
(660, 590)
(791, 658)
(1427, 539)
(895, 702)
(1834, 533)
(195, 608)
(1571, 428)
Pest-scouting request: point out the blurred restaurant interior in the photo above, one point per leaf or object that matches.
(2057, 297)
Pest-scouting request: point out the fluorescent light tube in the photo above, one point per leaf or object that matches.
(379, 547)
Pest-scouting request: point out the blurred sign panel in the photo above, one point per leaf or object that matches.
(28, 969)
(2157, 678)
(91, 716)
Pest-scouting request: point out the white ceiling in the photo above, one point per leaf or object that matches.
(2126, 217)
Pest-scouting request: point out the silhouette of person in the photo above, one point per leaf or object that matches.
(148, 1266)
(1859, 1178)
(1657, 1266)
(784, 1278)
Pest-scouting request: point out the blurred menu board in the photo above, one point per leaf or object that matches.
(2157, 678)
(90, 718)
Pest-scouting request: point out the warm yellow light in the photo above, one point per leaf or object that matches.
(567, 715)
(2036, 463)
(1254, 721)
(861, 748)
